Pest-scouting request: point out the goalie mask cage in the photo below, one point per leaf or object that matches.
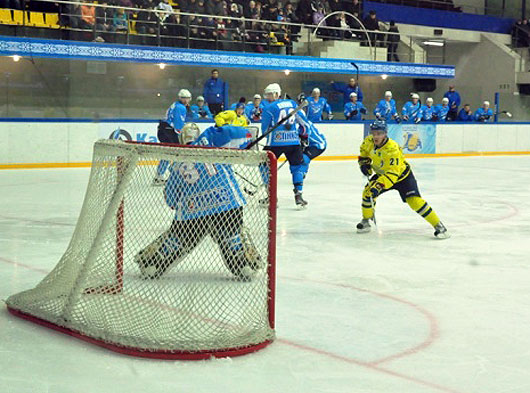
(199, 307)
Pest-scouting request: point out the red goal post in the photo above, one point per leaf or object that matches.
(202, 306)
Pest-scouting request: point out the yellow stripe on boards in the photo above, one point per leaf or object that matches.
(49, 165)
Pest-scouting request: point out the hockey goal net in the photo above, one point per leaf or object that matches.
(180, 271)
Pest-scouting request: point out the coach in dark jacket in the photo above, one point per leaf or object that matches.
(216, 93)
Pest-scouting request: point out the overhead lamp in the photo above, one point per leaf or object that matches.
(433, 43)
(16, 58)
(384, 76)
(162, 66)
(287, 72)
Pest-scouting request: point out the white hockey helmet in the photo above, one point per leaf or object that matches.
(414, 95)
(273, 89)
(388, 93)
(200, 98)
(445, 99)
(486, 103)
(184, 93)
(189, 133)
(316, 90)
(430, 100)
(257, 97)
(353, 94)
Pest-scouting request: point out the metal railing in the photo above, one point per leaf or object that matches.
(204, 31)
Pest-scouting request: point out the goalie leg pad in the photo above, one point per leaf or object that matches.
(158, 256)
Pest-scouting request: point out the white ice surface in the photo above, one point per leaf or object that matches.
(397, 311)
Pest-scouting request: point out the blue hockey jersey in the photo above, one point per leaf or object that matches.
(176, 115)
(254, 113)
(411, 111)
(426, 113)
(289, 132)
(201, 112)
(200, 189)
(350, 108)
(441, 111)
(316, 108)
(386, 109)
(483, 115)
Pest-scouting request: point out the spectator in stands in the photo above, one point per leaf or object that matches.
(354, 109)
(88, 16)
(372, 24)
(454, 102)
(484, 113)
(214, 7)
(146, 22)
(201, 110)
(352, 6)
(12, 4)
(104, 22)
(216, 93)
(465, 114)
(258, 37)
(70, 16)
(269, 10)
(304, 11)
(442, 110)
(252, 11)
(317, 106)
(519, 35)
(334, 20)
(347, 89)
(120, 22)
(386, 108)
(428, 111)
(392, 42)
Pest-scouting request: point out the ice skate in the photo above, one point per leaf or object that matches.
(440, 231)
(364, 226)
(300, 202)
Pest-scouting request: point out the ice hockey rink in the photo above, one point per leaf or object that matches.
(390, 311)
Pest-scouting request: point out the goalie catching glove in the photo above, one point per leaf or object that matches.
(365, 165)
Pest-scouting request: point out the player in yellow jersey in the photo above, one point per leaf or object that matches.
(235, 117)
(383, 156)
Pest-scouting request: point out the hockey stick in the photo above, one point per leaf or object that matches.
(357, 68)
(372, 205)
(281, 166)
(270, 130)
(249, 192)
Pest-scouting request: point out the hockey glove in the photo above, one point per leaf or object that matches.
(354, 113)
(397, 119)
(375, 188)
(365, 166)
(434, 118)
(363, 111)
(330, 116)
(406, 118)
(417, 120)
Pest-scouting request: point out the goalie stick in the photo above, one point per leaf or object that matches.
(270, 130)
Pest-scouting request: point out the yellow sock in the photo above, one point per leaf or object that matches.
(423, 209)
(368, 211)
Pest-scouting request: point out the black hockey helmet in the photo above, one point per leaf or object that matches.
(300, 98)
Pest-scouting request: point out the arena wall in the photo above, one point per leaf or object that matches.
(37, 143)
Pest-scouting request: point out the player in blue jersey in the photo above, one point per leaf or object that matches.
(386, 108)
(441, 111)
(286, 138)
(207, 200)
(411, 112)
(176, 116)
(427, 110)
(201, 110)
(465, 114)
(317, 106)
(354, 109)
(483, 114)
(254, 109)
(313, 146)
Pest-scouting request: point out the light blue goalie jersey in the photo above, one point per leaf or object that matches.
(289, 132)
(201, 189)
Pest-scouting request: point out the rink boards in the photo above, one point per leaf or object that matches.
(35, 143)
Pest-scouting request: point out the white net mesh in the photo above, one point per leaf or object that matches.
(183, 267)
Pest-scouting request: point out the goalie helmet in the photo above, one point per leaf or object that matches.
(273, 88)
(379, 125)
(189, 133)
